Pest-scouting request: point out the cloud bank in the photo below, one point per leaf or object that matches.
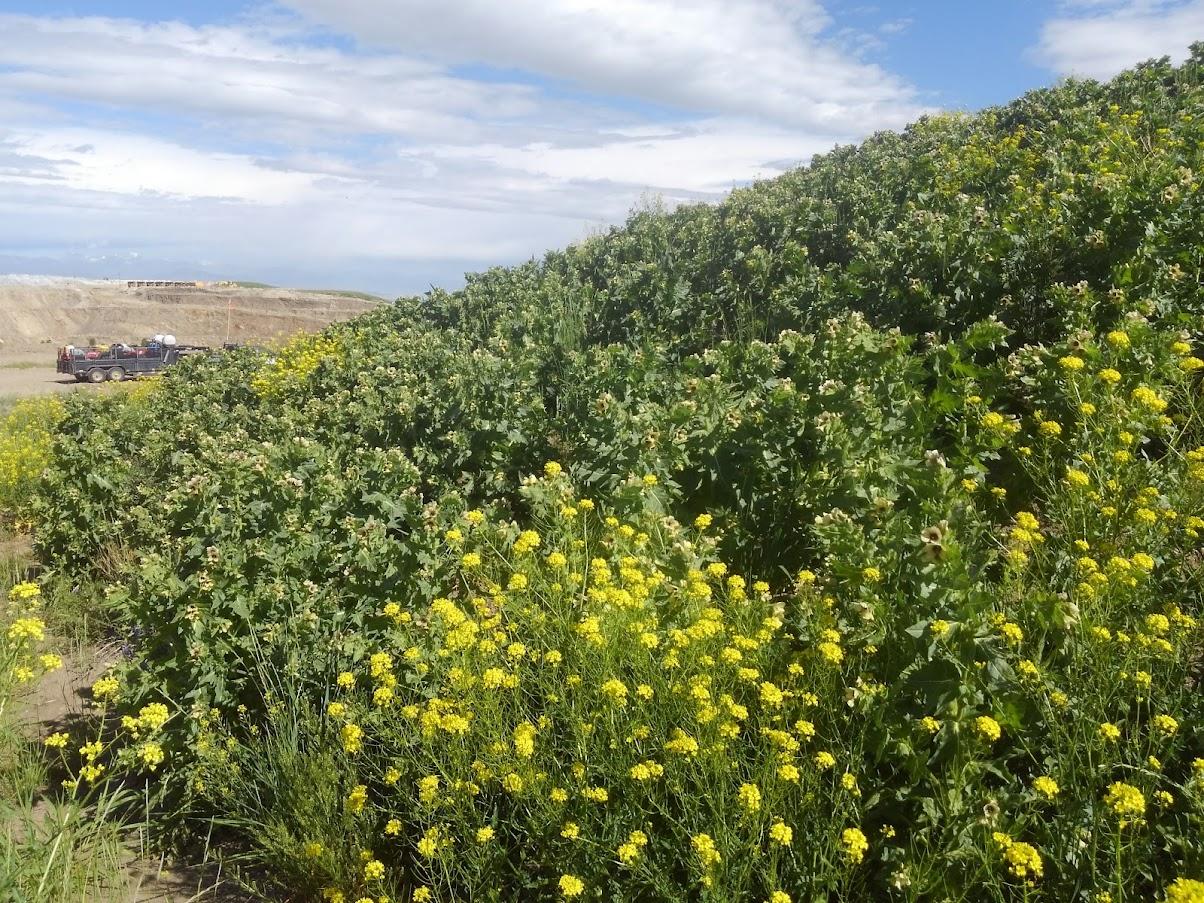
(406, 138)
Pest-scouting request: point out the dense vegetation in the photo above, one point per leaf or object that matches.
(840, 541)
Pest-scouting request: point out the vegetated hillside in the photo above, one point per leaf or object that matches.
(472, 585)
(36, 310)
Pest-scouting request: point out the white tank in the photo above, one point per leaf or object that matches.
(169, 339)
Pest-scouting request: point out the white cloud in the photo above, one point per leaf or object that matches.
(122, 163)
(760, 58)
(1098, 38)
(261, 77)
(254, 149)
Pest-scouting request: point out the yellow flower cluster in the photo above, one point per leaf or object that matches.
(26, 436)
(292, 364)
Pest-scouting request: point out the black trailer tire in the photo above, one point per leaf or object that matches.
(81, 377)
(117, 374)
(96, 375)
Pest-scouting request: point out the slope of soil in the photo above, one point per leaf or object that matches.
(40, 311)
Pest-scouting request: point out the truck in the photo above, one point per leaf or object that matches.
(118, 362)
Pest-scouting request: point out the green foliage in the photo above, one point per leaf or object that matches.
(940, 391)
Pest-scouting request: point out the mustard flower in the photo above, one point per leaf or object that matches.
(1185, 890)
(571, 886)
(358, 798)
(987, 728)
(353, 737)
(1165, 725)
(854, 844)
(1125, 799)
(750, 797)
(1023, 860)
(374, 870)
(1046, 786)
(704, 847)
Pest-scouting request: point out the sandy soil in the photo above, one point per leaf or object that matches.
(32, 373)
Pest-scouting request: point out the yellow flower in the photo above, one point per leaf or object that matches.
(1125, 799)
(854, 844)
(1109, 376)
(346, 680)
(570, 831)
(750, 797)
(313, 850)
(571, 886)
(616, 691)
(1050, 428)
(57, 741)
(1077, 478)
(428, 846)
(1165, 724)
(1046, 786)
(781, 833)
(353, 737)
(374, 870)
(422, 895)
(824, 760)
(1118, 339)
(151, 755)
(552, 469)
(1070, 362)
(484, 835)
(779, 896)
(703, 521)
(789, 773)
(987, 728)
(1185, 890)
(704, 847)
(1148, 398)
(104, 688)
(1023, 860)
(358, 798)
(393, 827)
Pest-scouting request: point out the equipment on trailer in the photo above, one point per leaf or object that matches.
(118, 361)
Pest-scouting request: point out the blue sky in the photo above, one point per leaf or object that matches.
(390, 145)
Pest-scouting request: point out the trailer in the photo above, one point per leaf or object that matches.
(118, 362)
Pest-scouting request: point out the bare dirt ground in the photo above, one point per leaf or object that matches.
(38, 314)
(32, 373)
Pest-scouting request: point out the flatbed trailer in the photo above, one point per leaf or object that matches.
(116, 364)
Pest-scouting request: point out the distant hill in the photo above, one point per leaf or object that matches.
(40, 310)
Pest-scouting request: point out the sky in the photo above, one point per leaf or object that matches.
(392, 145)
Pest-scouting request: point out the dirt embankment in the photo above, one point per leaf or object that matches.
(38, 314)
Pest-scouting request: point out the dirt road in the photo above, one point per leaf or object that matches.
(32, 373)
